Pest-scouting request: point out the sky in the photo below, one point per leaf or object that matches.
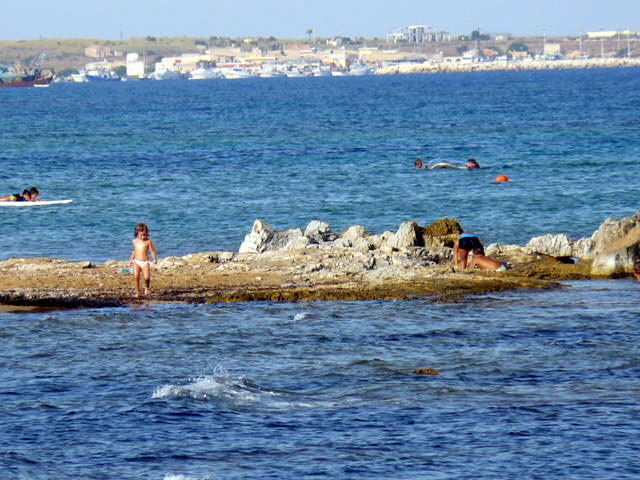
(116, 19)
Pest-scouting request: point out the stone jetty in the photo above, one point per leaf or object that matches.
(316, 263)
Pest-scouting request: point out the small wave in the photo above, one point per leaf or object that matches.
(300, 316)
(239, 392)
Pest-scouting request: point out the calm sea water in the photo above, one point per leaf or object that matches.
(532, 385)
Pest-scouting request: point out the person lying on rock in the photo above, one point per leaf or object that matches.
(480, 260)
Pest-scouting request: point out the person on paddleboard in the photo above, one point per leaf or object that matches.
(28, 195)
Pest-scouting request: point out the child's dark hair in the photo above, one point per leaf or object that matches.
(26, 191)
(34, 191)
(478, 251)
(141, 227)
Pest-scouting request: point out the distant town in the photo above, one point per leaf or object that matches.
(410, 49)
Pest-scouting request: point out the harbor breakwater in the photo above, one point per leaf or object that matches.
(460, 67)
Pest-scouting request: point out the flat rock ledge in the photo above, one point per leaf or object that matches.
(317, 264)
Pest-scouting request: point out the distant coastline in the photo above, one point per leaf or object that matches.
(217, 57)
(453, 67)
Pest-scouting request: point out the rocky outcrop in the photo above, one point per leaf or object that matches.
(554, 245)
(318, 264)
(612, 249)
(264, 238)
(616, 246)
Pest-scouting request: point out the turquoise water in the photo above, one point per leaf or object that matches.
(532, 384)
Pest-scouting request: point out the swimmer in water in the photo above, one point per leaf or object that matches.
(472, 163)
(418, 163)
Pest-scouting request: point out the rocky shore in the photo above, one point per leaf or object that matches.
(317, 264)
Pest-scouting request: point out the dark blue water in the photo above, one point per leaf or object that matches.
(199, 161)
(531, 385)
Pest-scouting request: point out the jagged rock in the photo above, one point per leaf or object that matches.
(319, 232)
(225, 256)
(171, 262)
(382, 241)
(441, 233)
(354, 237)
(555, 245)
(83, 265)
(613, 235)
(616, 246)
(263, 238)
(611, 265)
(408, 235)
(583, 249)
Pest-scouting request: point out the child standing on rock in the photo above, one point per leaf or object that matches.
(143, 252)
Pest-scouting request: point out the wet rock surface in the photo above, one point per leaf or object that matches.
(311, 264)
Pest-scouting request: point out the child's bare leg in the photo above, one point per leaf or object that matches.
(136, 278)
(147, 278)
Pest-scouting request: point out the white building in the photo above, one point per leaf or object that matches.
(418, 34)
(135, 66)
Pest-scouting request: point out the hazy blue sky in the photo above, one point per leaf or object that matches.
(111, 19)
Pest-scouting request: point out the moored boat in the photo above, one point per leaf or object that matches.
(100, 75)
(31, 76)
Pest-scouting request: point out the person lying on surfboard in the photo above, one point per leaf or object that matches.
(28, 195)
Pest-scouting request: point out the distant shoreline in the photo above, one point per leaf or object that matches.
(515, 66)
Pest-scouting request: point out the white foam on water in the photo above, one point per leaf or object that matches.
(238, 391)
(300, 316)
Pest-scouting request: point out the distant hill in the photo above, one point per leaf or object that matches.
(70, 53)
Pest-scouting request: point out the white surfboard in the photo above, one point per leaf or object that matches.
(37, 203)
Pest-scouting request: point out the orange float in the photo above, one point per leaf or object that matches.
(501, 179)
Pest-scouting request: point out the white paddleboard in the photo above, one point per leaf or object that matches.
(437, 166)
(37, 203)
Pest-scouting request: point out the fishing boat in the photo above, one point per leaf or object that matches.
(27, 76)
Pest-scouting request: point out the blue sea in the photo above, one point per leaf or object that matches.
(531, 384)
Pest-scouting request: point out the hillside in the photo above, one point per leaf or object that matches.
(70, 53)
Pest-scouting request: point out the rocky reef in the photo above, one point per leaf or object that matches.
(317, 263)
